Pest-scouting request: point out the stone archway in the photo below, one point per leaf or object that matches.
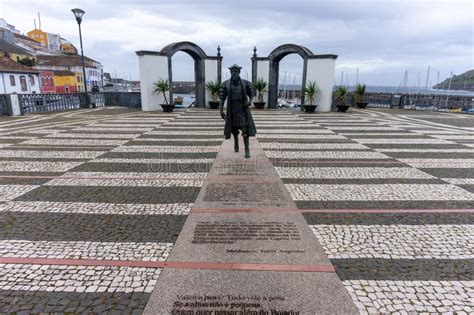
(274, 62)
(316, 68)
(199, 57)
(158, 65)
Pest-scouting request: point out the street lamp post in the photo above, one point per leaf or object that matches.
(78, 13)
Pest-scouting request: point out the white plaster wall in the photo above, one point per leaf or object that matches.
(263, 71)
(210, 75)
(15, 102)
(7, 88)
(321, 71)
(152, 69)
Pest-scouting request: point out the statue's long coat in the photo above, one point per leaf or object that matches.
(248, 92)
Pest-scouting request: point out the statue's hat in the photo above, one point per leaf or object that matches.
(235, 67)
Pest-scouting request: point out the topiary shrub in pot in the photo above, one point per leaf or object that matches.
(340, 94)
(213, 87)
(359, 94)
(162, 87)
(260, 87)
(311, 92)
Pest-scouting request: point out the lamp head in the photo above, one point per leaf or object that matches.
(78, 13)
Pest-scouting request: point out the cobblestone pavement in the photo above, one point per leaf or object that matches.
(376, 161)
(106, 184)
(117, 184)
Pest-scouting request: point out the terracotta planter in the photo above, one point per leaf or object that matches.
(342, 108)
(167, 108)
(309, 108)
(362, 104)
(259, 105)
(213, 104)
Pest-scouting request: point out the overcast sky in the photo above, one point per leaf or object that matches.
(380, 38)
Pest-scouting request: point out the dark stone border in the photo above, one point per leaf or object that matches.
(144, 167)
(368, 205)
(405, 269)
(34, 302)
(46, 226)
(362, 181)
(151, 155)
(107, 194)
(435, 218)
(449, 172)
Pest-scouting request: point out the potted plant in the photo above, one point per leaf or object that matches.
(260, 86)
(214, 89)
(311, 92)
(162, 87)
(359, 93)
(340, 95)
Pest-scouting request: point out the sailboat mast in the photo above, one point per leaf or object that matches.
(294, 87)
(427, 78)
(449, 88)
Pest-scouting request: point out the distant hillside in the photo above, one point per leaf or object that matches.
(459, 82)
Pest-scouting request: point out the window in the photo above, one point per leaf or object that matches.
(12, 80)
(23, 84)
(32, 79)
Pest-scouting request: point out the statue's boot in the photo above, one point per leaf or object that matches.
(236, 143)
(247, 148)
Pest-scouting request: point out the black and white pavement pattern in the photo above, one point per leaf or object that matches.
(118, 184)
(107, 184)
(386, 161)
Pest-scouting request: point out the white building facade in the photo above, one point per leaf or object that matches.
(20, 83)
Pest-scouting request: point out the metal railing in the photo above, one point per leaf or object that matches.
(3, 105)
(434, 102)
(437, 102)
(97, 99)
(126, 99)
(36, 103)
(379, 100)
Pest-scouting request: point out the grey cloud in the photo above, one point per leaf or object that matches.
(382, 37)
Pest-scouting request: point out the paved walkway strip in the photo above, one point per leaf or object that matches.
(257, 243)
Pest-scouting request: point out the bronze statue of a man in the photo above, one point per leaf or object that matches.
(239, 94)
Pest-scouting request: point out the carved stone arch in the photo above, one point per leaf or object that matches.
(316, 68)
(281, 51)
(274, 64)
(192, 49)
(156, 65)
(199, 57)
